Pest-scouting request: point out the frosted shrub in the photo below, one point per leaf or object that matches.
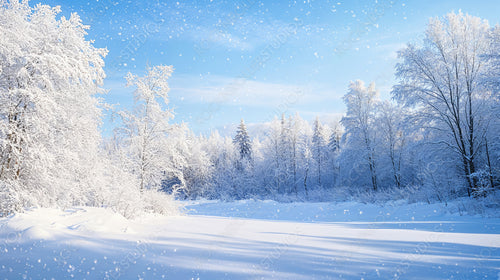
(9, 199)
(160, 203)
(483, 181)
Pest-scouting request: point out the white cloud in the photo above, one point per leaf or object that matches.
(244, 92)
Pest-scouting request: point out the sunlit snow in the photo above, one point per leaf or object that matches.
(253, 240)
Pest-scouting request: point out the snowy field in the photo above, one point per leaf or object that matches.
(253, 240)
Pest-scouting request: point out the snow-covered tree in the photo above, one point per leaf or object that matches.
(443, 78)
(296, 130)
(242, 141)
(223, 156)
(49, 115)
(274, 154)
(319, 148)
(145, 130)
(361, 102)
(307, 159)
(334, 150)
(492, 137)
(190, 161)
(334, 140)
(390, 120)
(281, 167)
(245, 165)
(304, 155)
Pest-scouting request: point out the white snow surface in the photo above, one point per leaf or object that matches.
(253, 240)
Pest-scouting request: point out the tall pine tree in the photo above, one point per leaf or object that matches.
(242, 142)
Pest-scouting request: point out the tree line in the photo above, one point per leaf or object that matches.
(437, 139)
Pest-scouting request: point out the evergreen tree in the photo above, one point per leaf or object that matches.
(334, 142)
(242, 142)
(334, 151)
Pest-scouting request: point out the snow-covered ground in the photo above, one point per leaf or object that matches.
(253, 240)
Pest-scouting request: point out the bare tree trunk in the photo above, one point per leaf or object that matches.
(371, 162)
(372, 172)
(490, 170)
(319, 167)
(294, 163)
(305, 181)
(395, 171)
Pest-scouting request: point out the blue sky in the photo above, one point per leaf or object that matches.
(257, 59)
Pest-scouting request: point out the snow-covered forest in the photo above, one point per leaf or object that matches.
(436, 139)
(403, 187)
